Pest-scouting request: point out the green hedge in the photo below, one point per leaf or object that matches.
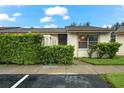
(28, 49)
(107, 50)
(56, 54)
(19, 49)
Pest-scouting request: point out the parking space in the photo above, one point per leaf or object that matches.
(52, 81)
(6, 81)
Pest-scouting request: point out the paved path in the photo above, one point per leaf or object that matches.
(77, 68)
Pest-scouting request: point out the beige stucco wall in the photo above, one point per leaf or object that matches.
(120, 39)
(72, 39)
(104, 37)
(82, 52)
(50, 40)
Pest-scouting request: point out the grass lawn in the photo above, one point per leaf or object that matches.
(116, 80)
(118, 60)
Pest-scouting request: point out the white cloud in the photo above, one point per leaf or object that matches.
(45, 19)
(17, 14)
(50, 26)
(66, 17)
(5, 17)
(57, 10)
(105, 26)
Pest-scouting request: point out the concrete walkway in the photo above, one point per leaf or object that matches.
(77, 68)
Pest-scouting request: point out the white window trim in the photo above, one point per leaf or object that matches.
(88, 42)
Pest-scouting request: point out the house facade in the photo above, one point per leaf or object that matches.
(120, 39)
(78, 36)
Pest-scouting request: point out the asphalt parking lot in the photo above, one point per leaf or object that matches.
(51, 81)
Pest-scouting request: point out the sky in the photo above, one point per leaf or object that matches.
(52, 16)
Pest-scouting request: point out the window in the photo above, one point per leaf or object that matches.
(83, 41)
(86, 40)
(62, 39)
(93, 39)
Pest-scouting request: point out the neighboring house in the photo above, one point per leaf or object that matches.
(78, 36)
(120, 39)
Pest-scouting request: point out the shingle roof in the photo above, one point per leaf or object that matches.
(3, 28)
(34, 30)
(55, 30)
(87, 29)
(121, 29)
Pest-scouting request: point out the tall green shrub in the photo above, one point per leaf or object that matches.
(19, 48)
(28, 49)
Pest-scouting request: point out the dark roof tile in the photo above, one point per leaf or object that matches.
(87, 29)
(121, 29)
(55, 30)
(34, 30)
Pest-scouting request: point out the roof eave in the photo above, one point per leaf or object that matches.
(90, 31)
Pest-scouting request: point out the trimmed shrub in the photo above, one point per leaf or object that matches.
(29, 49)
(112, 48)
(19, 48)
(108, 50)
(56, 54)
(91, 50)
(101, 49)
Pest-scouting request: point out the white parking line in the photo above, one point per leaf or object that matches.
(20, 81)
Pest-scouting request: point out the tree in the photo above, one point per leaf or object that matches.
(73, 24)
(80, 24)
(116, 25)
(86, 24)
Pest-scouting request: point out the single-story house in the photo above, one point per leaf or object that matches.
(120, 39)
(78, 36)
